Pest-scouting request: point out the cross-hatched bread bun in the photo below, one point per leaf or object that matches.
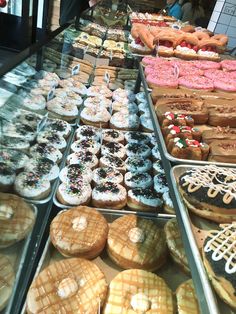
(7, 278)
(187, 302)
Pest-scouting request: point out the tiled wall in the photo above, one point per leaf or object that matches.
(223, 20)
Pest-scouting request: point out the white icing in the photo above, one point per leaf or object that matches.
(6, 212)
(106, 149)
(112, 175)
(63, 109)
(153, 202)
(79, 157)
(53, 123)
(141, 97)
(159, 186)
(35, 102)
(139, 47)
(132, 164)
(91, 146)
(109, 138)
(7, 179)
(144, 182)
(157, 167)
(95, 133)
(122, 120)
(146, 122)
(75, 198)
(84, 172)
(100, 101)
(46, 137)
(108, 195)
(136, 235)
(208, 53)
(52, 174)
(155, 153)
(108, 161)
(137, 137)
(67, 288)
(186, 50)
(140, 303)
(79, 223)
(167, 200)
(103, 90)
(95, 115)
(51, 152)
(141, 150)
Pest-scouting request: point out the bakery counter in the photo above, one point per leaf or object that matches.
(211, 226)
(171, 275)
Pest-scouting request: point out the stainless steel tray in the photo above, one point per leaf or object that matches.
(157, 130)
(16, 254)
(169, 272)
(194, 225)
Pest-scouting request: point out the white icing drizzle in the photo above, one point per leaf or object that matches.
(79, 223)
(223, 245)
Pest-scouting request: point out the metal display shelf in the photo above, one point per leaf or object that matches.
(206, 296)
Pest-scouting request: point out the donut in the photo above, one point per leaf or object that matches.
(44, 167)
(87, 158)
(112, 136)
(102, 90)
(157, 167)
(225, 84)
(135, 149)
(87, 132)
(130, 108)
(73, 194)
(143, 109)
(168, 204)
(219, 260)
(86, 145)
(7, 280)
(155, 153)
(134, 180)
(15, 143)
(146, 123)
(209, 192)
(46, 150)
(19, 130)
(99, 100)
(207, 65)
(113, 148)
(34, 102)
(153, 81)
(7, 176)
(215, 74)
(196, 82)
(160, 183)
(59, 126)
(124, 121)
(98, 118)
(78, 87)
(228, 65)
(130, 234)
(79, 232)
(143, 199)
(70, 173)
(137, 137)
(123, 94)
(186, 298)
(113, 161)
(109, 195)
(50, 137)
(65, 111)
(141, 96)
(107, 174)
(75, 284)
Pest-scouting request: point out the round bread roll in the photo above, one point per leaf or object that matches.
(139, 291)
(175, 244)
(7, 279)
(134, 242)
(219, 260)
(72, 285)
(16, 219)
(186, 298)
(80, 232)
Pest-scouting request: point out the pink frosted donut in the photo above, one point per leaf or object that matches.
(215, 74)
(206, 65)
(228, 65)
(190, 70)
(225, 84)
(170, 82)
(149, 60)
(196, 82)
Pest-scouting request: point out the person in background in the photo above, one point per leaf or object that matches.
(191, 11)
(173, 8)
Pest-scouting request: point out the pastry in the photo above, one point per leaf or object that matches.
(223, 151)
(17, 129)
(87, 158)
(196, 83)
(14, 143)
(124, 121)
(219, 260)
(209, 192)
(135, 149)
(109, 195)
(138, 291)
(144, 199)
(62, 110)
(86, 145)
(222, 116)
(95, 91)
(138, 164)
(17, 219)
(182, 132)
(52, 138)
(107, 174)
(157, 167)
(167, 203)
(112, 161)
(46, 150)
(87, 132)
(209, 49)
(175, 244)
(187, 46)
(146, 123)
(72, 172)
(113, 148)
(7, 279)
(59, 126)
(78, 193)
(98, 117)
(31, 185)
(44, 167)
(7, 176)
(160, 183)
(112, 136)
(134, 180)
(169, 118)
(79, 232)
(130, 108)
(137, 137)
(34, 102)
(75, 285)
(98, 101)
(135, 242)
(219, 134)
(187, 301)
(165, 45)
(155, 153)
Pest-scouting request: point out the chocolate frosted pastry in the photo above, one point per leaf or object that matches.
(7, 278)
(72, 172)
(114, 162)
(113, 148)
(19, 130)
(86, 158)
(58, 126)
(87, 132)
(50, 137)
(223, 151)
(86, 145)
(7, 176)
(109, 195)
(14, 143)
(78, 193)
(31, 185)
(138, 164)
(112, 136)
(14, 158)
(210, 192)
(44, 167)
(46, 150)
(107, 174)
(135, 149)
(144, 199)
(160, 183)
(220, 134)
(137, 137)
(219, 260)
(137, 180)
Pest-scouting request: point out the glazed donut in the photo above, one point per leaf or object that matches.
(223, 39)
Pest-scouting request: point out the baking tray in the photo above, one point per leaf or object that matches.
(169, 272)
(157, 130)
(17, 254)
(194, 226)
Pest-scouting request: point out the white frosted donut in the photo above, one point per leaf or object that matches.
(155, 153)
(160, 183)
(46, 150)
(130, 108)
(153, 139)
(86, 145)
(14, 143)
(34, 102)
(135, 180)
(103, 90)
(144, 197)
(74, 194)
(141, 97)
(65, 84)
(135, 149)
(7, 176)
(78, 87)
(73, 98)
(97, 101)
(66, 110)
(137, 137)
(113, 148)
(113, 161)
(112, 136)
(100, 115)
(146, 123)
(107, 174)
(138, 164)
(157, 167)
(30, 185)
(44, 167)
(13, 157)
(50, 137)
(28, 118)
(59, 126)
(85, 157)
(124, 121)
(19, 130)
(120, 94)
(88, 132)
(70, 173)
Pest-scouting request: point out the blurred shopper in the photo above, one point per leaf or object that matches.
(192, 11)
(173, 8)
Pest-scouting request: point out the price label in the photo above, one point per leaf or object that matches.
(75, 69)
(50, 94)
(42, 123)
(107, 77)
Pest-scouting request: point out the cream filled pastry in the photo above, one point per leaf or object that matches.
(14, 158)
(113, 148)
(112, 136)
(30, 185)
(7, 176)
(135, 149)
(72, 172)
(112, 161)
(134, 180)
(86, 145)
(124, 121)
(78, 193)
(44, 167)
(107, 174)
(50, 137)
(95, 116)
(109, 195)
(87, 132)
(144, 199)
(160, 183)
(137, 137)
(87, 158)
(46, 150)
(58, 126)
(138, 164)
